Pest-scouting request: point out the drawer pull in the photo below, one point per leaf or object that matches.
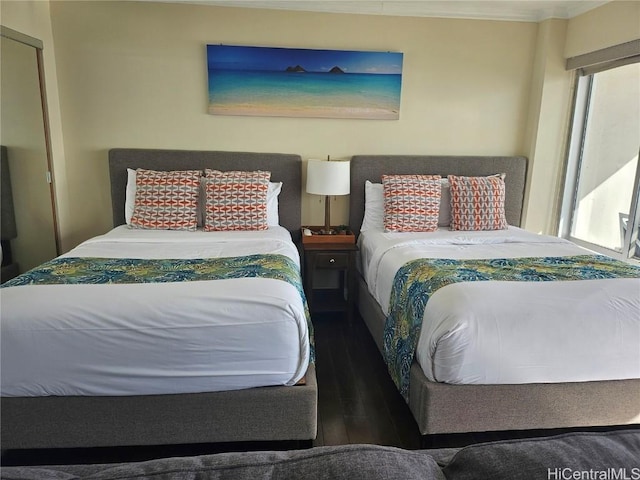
(332, 261)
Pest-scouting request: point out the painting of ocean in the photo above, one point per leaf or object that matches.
(295, 82)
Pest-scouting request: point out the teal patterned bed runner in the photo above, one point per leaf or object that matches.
(93, 270)
(417, 280)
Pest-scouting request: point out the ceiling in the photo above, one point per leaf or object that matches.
(514, 10)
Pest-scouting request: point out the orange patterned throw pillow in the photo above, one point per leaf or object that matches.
(477, 203)
(411, 202)
(166, 200)
(236, 200)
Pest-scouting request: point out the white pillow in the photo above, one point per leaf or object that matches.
(374, 206)
(444, 215)
(273, 218)
(130, 195)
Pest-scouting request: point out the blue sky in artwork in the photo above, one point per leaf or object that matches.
(231, 57)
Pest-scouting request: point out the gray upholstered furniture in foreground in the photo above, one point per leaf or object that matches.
(615, 454)
(441, 408)
(259, 414)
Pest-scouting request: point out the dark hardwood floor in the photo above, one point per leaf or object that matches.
(358, 402)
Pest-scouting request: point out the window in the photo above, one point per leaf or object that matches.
(600, 209)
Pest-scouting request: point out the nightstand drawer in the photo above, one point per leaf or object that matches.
(332, 260)
(323, 260)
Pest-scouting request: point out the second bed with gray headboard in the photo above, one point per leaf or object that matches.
(442, 408)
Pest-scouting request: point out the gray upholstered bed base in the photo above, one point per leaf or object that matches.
(256, 414)
(259, 414)
(442, 408)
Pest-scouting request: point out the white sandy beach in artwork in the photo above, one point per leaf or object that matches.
(308, 94)
(299, 111)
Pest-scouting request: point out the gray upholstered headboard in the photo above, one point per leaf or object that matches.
(285, 168)
(371, 167)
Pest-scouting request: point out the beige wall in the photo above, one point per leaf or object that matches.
(550, 103)
(611, 24)
(133, 75)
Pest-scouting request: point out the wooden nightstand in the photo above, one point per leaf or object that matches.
(340, 257)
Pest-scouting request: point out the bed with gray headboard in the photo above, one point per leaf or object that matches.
(275, 413)
(441, 408)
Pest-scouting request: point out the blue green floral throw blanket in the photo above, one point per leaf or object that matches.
(417, 280)
(92, 270)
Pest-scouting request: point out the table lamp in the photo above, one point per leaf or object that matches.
(328, 178)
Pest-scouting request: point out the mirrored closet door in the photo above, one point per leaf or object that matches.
(28, 230)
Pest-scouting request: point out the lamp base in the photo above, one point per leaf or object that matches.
(327, 216)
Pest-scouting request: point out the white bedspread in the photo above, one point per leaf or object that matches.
(156, 338)
(512, 332)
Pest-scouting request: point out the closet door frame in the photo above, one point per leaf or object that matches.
(38, 46)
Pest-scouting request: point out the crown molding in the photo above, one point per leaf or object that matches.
(509, 10)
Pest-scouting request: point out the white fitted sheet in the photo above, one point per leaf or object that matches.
(156, 338)
(512, 332)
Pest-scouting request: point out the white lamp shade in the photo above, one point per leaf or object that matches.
(328, 178)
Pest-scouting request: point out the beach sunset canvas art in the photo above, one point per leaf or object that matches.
(296, 82)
